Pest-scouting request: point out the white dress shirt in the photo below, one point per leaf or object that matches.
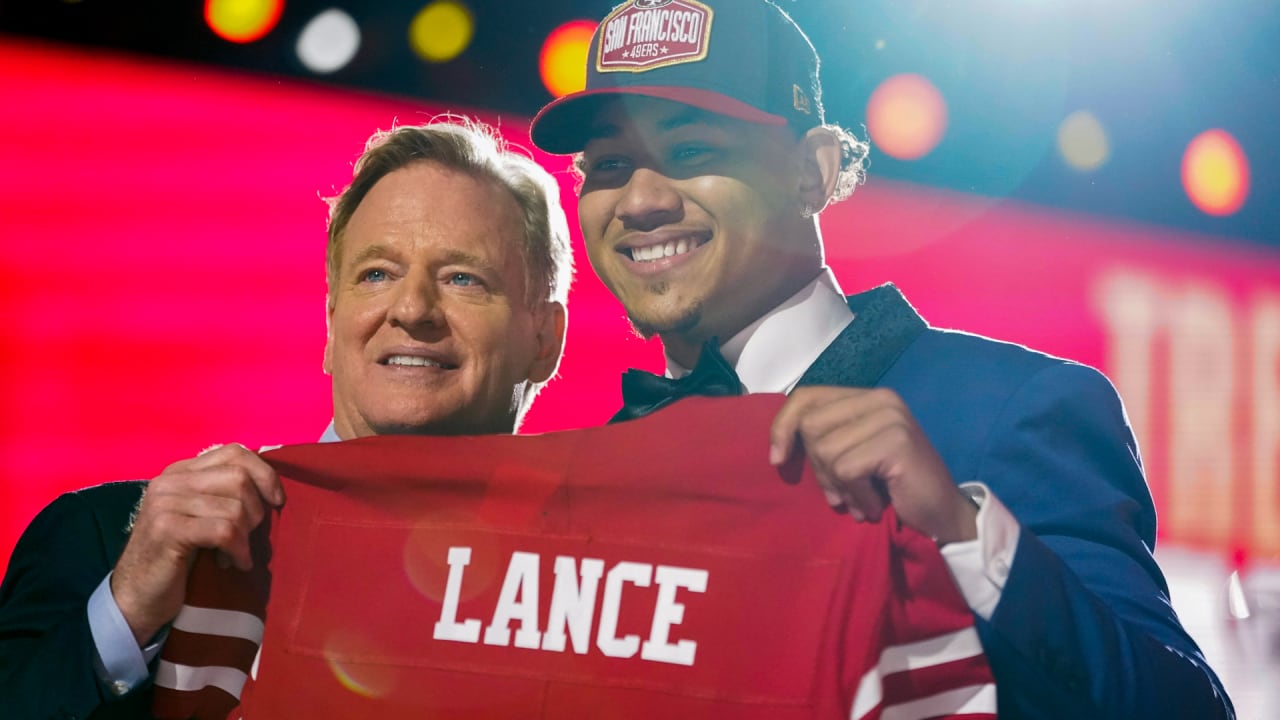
(771, 355)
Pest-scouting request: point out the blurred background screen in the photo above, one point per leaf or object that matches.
(1094, 179)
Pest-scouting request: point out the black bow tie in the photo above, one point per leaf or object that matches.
(643, 392)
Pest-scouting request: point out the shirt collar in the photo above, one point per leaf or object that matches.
(330, 434)
(772, 353)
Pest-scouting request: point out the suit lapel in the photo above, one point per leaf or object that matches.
(884, 324)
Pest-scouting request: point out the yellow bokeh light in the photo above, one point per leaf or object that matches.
(564, 57)
(1215, 173)
(1082, 141)
(242, 21)
(441, 31)
(906, 117)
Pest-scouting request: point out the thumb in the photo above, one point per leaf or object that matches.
(784, 430)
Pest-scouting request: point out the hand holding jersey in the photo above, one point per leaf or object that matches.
(869, 452)
(213, 500)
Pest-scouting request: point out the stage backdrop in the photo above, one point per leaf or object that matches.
(163, 289)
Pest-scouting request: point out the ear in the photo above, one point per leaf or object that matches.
(820, 167)
(552, 318)
(328, 335)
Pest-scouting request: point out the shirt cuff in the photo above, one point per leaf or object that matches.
(120, 663)
(981, 567)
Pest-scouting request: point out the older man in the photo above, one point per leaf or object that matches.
(705, 161)
(448, 267)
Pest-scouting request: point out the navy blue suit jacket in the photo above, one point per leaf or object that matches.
(46, 650)
(1084, 628)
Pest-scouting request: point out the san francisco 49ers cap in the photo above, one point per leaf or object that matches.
(746, 59)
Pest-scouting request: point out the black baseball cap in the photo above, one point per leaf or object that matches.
(746, 59)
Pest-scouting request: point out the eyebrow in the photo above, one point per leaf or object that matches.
(451, 257)
(598, 131)
(369, 253)
(690, 116)
(462, 257)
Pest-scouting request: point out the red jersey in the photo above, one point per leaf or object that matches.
(657, 568)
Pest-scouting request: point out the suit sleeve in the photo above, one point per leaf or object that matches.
(1084, 626)
(46, 649)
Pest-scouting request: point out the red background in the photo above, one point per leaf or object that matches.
(163, 285)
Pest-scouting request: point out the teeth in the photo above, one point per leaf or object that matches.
(650, 253)
(412, 360)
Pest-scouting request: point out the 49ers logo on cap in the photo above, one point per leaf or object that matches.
(648, 34)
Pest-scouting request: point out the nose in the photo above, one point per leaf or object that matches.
(648, 201)
(416, 302)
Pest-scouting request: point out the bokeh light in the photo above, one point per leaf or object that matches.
(441, 31)
(1082, 141)
(426, 559)
(563, 61)
(906, 117)
(1215, 173)
(371, 680)
(328, 42)
(242, 21)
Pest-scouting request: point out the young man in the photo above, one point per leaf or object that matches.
(705, 162)
(442, 320)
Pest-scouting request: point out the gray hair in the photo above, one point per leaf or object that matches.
(472, 147)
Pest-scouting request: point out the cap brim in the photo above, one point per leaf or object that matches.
(563, 126)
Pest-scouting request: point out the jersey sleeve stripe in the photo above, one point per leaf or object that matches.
(927, 653)
(187, 678)
(228, 623)
(975, 701)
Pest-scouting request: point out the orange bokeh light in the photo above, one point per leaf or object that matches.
(563, 61)
(906, 117)
(242, 21)
(1215, 173)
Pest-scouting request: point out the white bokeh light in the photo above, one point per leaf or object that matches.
(328, 42)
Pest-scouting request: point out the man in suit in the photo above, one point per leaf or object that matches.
(705, 162)
(448, 266)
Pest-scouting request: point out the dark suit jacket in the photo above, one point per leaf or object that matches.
(1084, 628)
(46, 651)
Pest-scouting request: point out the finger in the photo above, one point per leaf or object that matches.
(227, 537)
(852, 491)
(793, 413)
(171, 539)
(830, 431)
(224, 482)
(264, 477)
(857, 406)
(861, 473)
(826, 443)
(210, 457)
(170, 518)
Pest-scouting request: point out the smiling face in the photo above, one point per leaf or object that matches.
(693, 220)
(429, 328)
